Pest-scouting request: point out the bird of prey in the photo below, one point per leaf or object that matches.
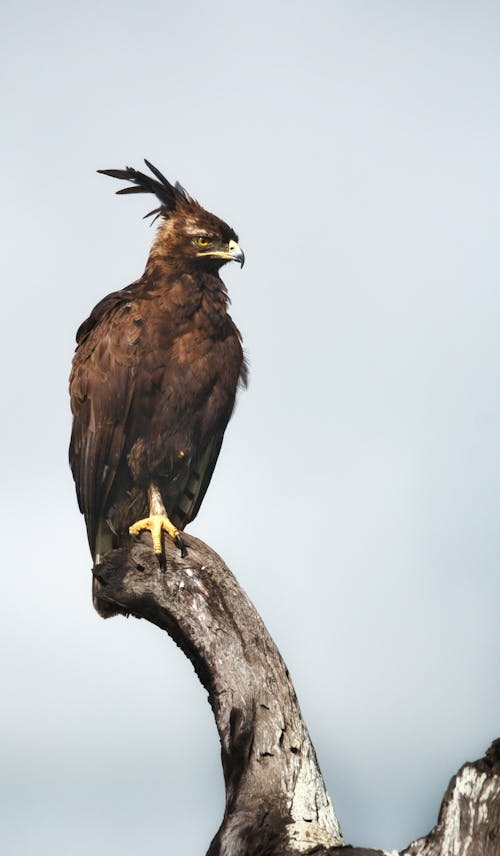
(154, 380)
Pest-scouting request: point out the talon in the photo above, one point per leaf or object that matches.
(180, 543)
(156, 524)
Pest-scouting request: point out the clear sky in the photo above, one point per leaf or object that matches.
(354, 148)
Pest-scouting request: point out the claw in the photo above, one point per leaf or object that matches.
(157, 524)
(180, 544)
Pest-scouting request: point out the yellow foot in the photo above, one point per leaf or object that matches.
(157, 524)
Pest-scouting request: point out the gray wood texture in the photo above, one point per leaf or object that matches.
(276, 800)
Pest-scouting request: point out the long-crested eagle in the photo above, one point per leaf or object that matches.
(154, 380)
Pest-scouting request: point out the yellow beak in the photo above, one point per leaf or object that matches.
(234, 253)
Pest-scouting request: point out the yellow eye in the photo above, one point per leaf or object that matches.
(203, 241)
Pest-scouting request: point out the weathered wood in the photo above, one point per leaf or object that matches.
(469, 819)
(276, 801)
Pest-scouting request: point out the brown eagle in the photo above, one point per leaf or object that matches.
(154, 379)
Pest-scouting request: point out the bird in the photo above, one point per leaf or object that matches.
(154, 380)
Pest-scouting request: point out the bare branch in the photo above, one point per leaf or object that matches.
(276, 801)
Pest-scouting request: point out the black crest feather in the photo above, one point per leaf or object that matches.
(168, 194)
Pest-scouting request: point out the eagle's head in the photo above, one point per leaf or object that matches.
(189, 237)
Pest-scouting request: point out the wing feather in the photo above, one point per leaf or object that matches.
(200, 474)
(101, 389)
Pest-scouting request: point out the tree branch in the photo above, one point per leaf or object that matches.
(469, 819)
(276, 800)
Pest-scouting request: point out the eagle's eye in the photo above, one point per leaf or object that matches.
(203, 241)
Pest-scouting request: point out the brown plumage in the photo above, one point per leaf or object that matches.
(155, 375)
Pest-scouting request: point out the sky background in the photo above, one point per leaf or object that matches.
(354, 148)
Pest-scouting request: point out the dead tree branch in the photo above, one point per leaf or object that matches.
(276, 800)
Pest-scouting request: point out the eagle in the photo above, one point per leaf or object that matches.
(154, 380)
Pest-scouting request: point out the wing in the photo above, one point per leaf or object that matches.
(188, 501)
(101, 388)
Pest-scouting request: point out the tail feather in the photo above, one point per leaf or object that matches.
(103, 543)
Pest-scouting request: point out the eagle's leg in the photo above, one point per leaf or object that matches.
(158, 522)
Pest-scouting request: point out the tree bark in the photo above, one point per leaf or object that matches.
(276, 800)
(469, 819)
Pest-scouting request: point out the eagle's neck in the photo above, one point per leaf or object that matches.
(166, 274)
(184, 295)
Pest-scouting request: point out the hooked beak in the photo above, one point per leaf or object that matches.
(236, 253)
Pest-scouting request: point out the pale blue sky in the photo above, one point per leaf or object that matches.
(354, 148)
